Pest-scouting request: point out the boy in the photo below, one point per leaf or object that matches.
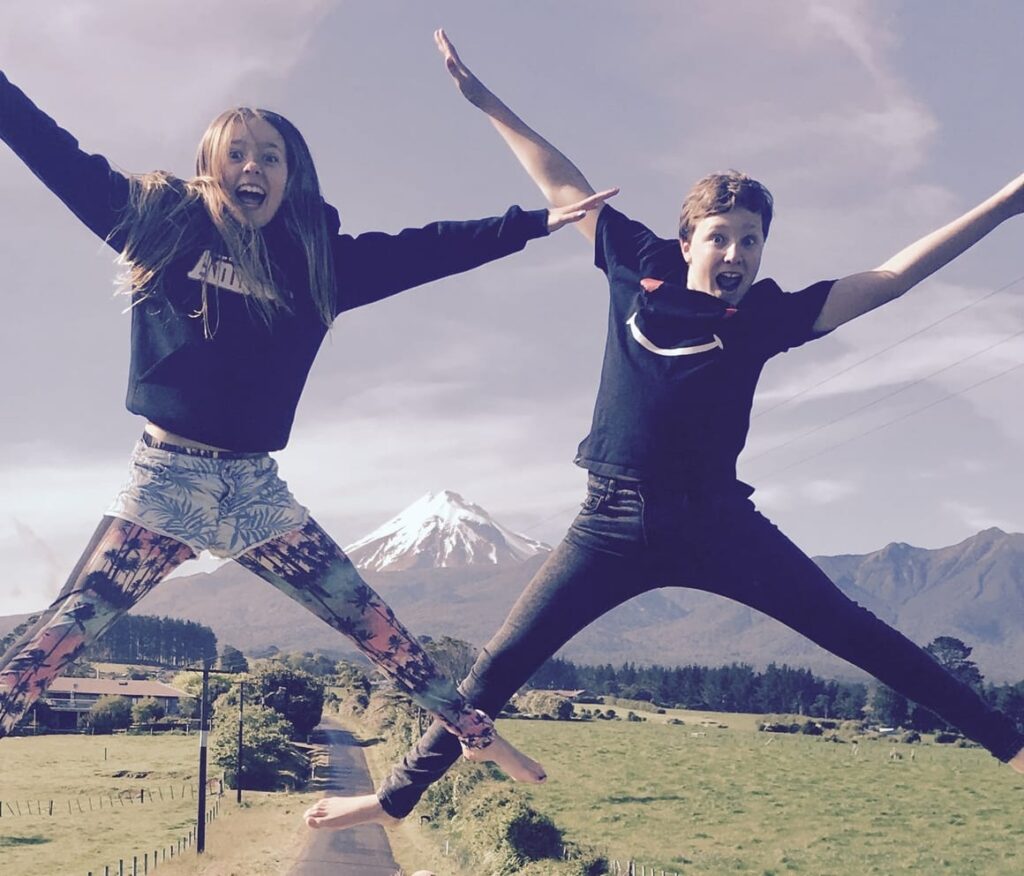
(689, 332)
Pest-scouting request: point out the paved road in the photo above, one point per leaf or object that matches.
(362, 851)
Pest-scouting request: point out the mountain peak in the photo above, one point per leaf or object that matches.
(441, 530)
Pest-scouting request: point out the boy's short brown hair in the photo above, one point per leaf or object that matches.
(720, 193)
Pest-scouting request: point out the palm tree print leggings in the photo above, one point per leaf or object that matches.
(124, 561)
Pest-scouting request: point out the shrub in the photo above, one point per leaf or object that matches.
(810, 728)
(296, 695)
(269, 760)
(503, 832)
(442, 801)
(779, 727)
(585, 862)
(945, 738)
(544, 703)
(147, 710)
(109, 714)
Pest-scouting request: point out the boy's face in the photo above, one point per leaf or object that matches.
(254, 170)
(724, 254)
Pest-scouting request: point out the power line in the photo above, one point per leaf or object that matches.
(892, 346)
(885, 397)
(885, 425)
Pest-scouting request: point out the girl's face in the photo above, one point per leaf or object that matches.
(254, 170)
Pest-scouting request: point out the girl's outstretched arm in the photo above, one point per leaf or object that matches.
(96, 193)
(859, 293)
(562, 183)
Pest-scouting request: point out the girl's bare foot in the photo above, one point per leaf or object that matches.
(509, 758)
(1018, 761)
(341, 813)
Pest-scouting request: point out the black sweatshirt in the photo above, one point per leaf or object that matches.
(239, 388)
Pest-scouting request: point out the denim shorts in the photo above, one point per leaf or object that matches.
(218, 501)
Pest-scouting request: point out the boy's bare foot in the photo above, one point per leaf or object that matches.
(509, 758)
(1018, 761)
(341, 813)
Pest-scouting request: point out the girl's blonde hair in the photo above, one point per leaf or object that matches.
(161, 222)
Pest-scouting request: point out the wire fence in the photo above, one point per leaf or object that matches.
(632, 868)
(98, 802)
(141, 864)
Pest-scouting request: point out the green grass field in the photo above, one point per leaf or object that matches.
(737, 801)
(690, 799)
(99, 830)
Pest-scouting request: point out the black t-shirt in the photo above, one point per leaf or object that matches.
(680, 367)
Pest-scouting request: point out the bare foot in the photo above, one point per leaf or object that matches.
(341, 813)
(1018, 761)
(515, 764)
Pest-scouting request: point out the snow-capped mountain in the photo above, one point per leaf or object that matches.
(441, 530)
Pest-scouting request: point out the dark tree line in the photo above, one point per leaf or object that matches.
(734, 688)
(894, 710)
(163, 641)
(778, 689)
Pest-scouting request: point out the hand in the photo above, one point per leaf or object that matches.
(1015, 195)
(559, 216)
(472, 88)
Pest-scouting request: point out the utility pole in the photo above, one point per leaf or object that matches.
(238, 768)
(203, 712)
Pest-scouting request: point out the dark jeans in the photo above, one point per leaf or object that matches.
(630, 538)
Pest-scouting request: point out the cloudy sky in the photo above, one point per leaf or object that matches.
(872, 122)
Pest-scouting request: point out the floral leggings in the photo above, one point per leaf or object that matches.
(124, 561)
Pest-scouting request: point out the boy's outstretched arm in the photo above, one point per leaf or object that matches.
(572, 198)
(859, 293)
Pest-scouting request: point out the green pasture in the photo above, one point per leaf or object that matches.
(696, 798)
(701, 799)
(97, 817)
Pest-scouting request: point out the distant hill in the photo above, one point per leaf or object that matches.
(973, 590)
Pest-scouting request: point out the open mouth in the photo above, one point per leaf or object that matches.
(728, 281)
(249, 195)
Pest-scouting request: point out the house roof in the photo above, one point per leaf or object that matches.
(115, 687)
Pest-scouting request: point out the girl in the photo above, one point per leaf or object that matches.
(235, 277)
